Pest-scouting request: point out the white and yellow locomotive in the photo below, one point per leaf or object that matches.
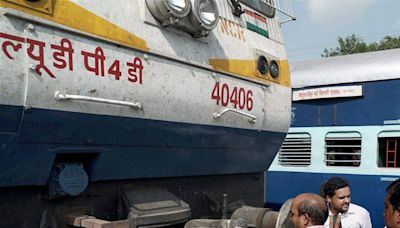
(101, 97)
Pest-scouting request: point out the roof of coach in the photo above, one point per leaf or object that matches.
(371, 66)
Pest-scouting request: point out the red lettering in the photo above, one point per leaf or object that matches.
(241, 99)
(115, 69)
(59, 54)
(215, 93)
(98, 59)
(135, 70)
(39, 56)
(234, 97)
(8, 43)
(224, 95)
(63, 58)
(249, 100)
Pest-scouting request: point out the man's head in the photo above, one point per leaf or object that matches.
(308, 209)
(392, 205)
(337, 193)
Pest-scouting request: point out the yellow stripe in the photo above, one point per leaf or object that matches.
(248, 69)
(74, 16)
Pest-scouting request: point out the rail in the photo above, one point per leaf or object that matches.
(219, 114)
(62, 96)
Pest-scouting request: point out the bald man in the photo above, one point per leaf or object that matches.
(308, 210)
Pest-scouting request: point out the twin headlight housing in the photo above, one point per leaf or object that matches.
(265, 65)
(197, 17)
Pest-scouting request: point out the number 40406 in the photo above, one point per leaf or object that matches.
(238, 97)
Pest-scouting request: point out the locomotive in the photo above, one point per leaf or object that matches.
(148, 112)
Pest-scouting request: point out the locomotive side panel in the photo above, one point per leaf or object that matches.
(111, 96)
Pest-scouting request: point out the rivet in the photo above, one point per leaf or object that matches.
(30, 27)
(32, 67)
(27, 108)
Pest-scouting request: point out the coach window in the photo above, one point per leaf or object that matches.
(343, 149)
(295, 150)
(388, 145)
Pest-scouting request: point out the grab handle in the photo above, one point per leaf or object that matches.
(62, 96)
(219, 114)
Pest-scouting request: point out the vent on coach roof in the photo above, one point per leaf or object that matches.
(295, 150)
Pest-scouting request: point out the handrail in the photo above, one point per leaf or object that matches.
(62, 96)
(219, 114)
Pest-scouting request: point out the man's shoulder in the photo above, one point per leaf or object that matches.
(354, 208)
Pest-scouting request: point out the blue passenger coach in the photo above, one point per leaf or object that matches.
(345, 122)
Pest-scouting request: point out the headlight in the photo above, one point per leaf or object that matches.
(204, 16)
(179, 7)
(169, 12)
(274, 69)
(262, 64)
